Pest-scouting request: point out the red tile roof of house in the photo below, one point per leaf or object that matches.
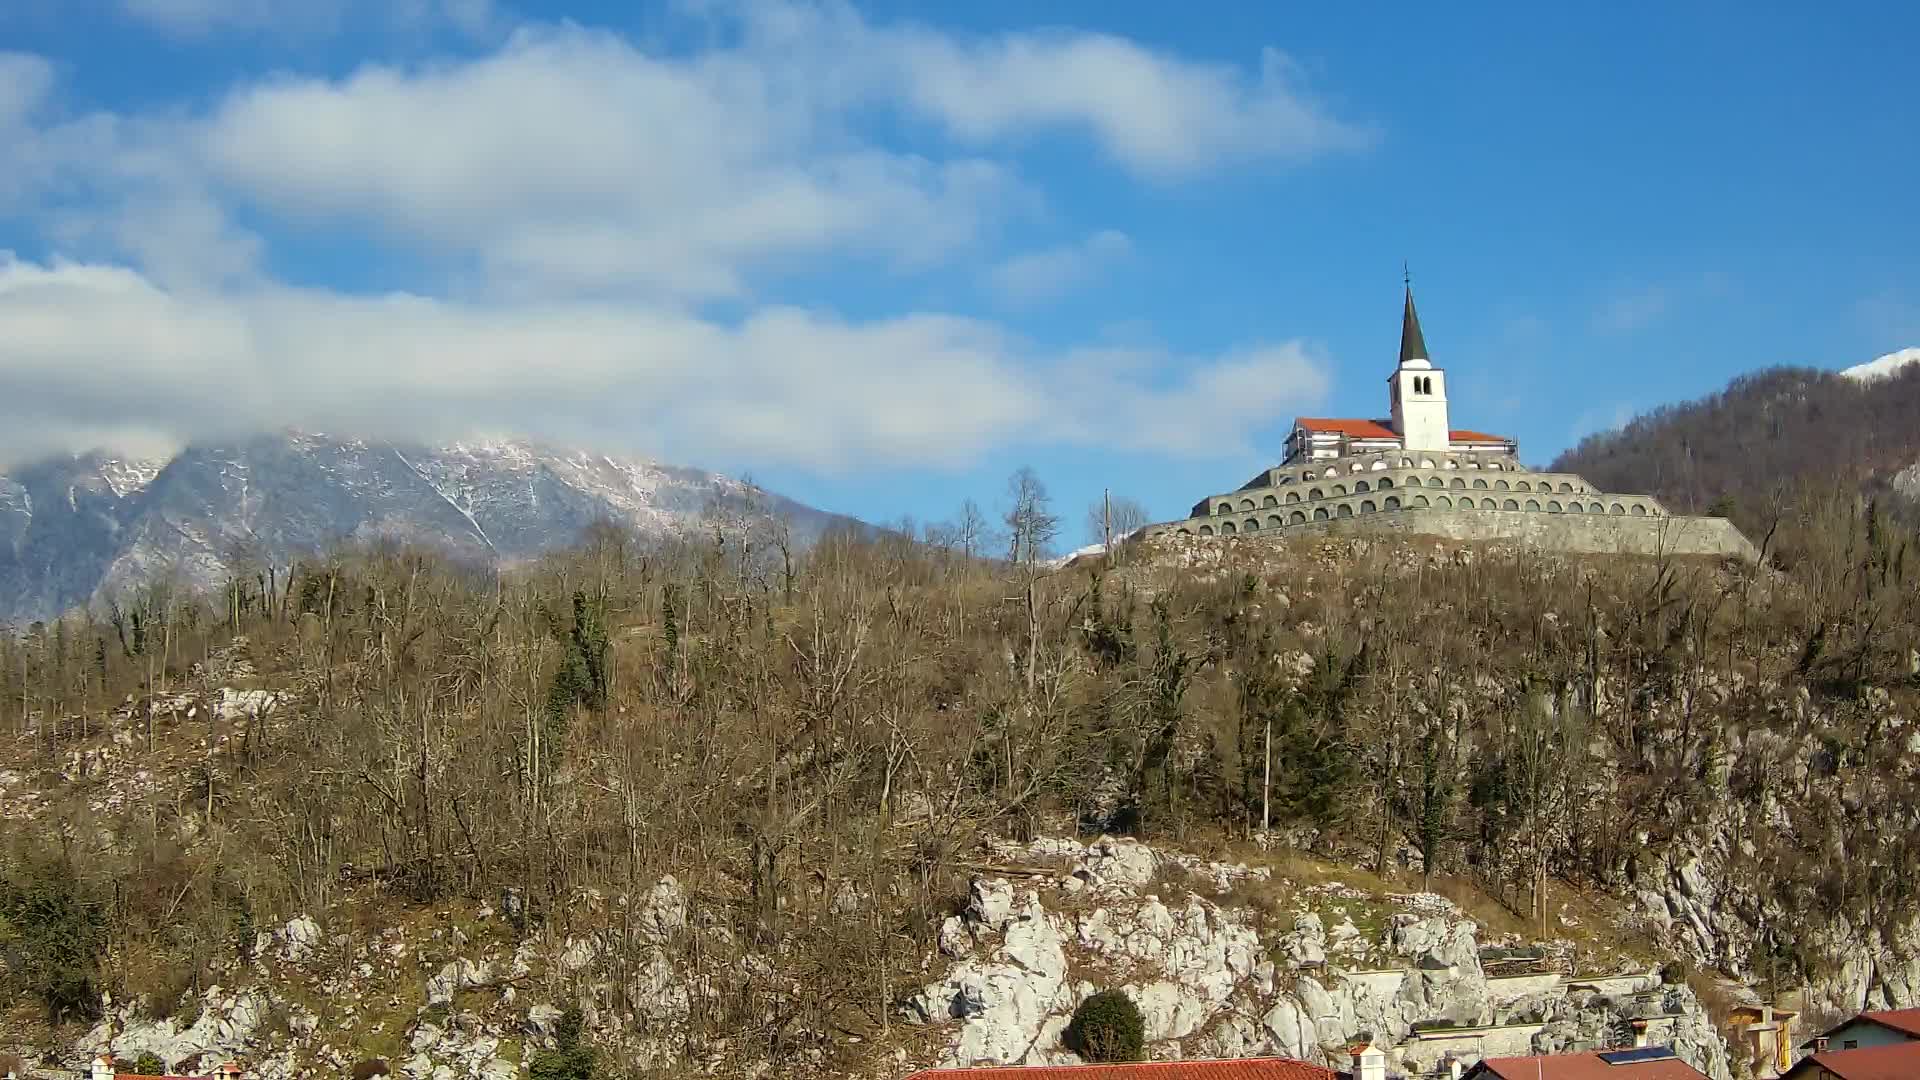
(1895, 1061)
(1584, 1067)
(1906, 1021)
(1226, 1069)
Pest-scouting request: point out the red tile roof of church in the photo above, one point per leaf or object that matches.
(1378, 429)
(1231, 1069)
(1358, 429)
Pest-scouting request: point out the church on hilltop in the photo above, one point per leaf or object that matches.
(1413, 473)
(1417, 415)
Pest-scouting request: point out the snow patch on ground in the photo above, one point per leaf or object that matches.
(1884, 366)
(1091, 549)
(128, 478)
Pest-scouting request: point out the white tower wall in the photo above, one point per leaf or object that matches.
(1420, 406)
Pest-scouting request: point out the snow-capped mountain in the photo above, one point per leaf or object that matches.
(1884, 366)
(72, 528)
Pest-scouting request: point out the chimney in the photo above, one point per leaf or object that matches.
(229, 1071)
(1456, 1068)
(102, 1068)
(1369, 1062)
(1639, 1034)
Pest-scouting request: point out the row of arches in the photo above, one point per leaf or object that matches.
(1380, 462)
(1444, 502)
(1227, 507)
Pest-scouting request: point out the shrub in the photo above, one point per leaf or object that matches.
(52, 932)
(149, 1064)
(1108, 1027)
(570, 1059)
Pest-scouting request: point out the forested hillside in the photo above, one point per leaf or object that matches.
(1751, 449)
(818, 748)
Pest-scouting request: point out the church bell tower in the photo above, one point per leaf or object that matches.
(1418, 389)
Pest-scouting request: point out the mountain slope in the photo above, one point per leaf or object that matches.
(73, 527)
(1764, 437)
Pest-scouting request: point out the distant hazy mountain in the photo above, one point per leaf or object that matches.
(71, 527)
(1766, 434)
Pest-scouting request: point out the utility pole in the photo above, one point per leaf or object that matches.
(1106, 518)
(1266, 780)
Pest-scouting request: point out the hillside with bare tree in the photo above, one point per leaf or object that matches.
(1745, 451)
(821, 750)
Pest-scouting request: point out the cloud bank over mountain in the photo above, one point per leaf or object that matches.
(576, 234)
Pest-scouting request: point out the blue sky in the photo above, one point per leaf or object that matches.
(879, 255)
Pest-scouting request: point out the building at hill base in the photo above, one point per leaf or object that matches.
(1412, 474)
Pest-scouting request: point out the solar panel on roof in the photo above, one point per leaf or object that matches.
(1638, 1054)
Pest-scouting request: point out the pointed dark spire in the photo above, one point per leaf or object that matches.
(1412, 345)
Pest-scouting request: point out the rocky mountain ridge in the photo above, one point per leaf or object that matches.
(75, 529)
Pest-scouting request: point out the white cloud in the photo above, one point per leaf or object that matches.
(1036, 276)
(87, 349)
(1157, 114)
(25, 80)
(571, 160)
(573, 198)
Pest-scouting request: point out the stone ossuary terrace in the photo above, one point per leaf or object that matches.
(1395, 480)
(1413, 474)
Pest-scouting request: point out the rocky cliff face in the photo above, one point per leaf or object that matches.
(1721, 892)
(1210, 984)
(72, 529)
(473, 995)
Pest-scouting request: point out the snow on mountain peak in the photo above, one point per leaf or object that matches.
(1884, 366)
(128, 478)
(505, 499)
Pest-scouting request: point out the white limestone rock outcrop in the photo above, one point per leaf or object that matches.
(1208, 985)
(225, 1027)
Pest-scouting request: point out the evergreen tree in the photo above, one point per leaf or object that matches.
(1108, 1027)
(571, 1058)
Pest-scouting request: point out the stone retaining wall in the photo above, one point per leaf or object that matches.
(1586, 533)
(1600, 534)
